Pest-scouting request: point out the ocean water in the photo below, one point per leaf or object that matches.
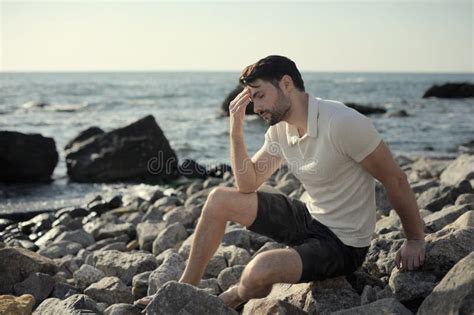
(186, 105)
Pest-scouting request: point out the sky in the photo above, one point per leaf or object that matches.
(322, 36)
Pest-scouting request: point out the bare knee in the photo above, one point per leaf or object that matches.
(257, 273)
(218, 202)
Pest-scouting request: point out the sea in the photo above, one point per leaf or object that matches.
(187, 107)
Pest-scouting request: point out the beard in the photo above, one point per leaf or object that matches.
(279, 111)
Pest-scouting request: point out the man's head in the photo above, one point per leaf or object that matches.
(272, 81)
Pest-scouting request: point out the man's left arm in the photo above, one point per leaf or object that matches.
(382, 166)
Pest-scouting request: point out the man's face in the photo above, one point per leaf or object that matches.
(269, 101)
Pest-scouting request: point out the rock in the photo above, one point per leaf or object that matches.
(100, 229)
(238, 237)
(73, 305)
(234, 255)
(122, 309)
(219, 170)
(383, 306)
(139, 151)
(186, 216)
(464, 199)
(192, 169)
(60, 249)
(169, 237)
(451, 90)
(170, 269)
(381, 199)
(124, 265)
(87, 275)
(26, 157)
(18, 305)
(435, 198)
(210, 285)
(84, 136)
(26, 263)
(78, 236)
(106, 241)
(380, 258)
(180, 298)
(423, 185)
(225, 105)
(110, 290)
(445, 248)
(229, 276)
(140, 285)
(185, 247)
(398, 113)
(38, 223)
(63, 290)
(216, 264)
(368, 295)
(465, 221)
(387, 224)
(360, 279)
(436, 221)
(39, 285)
(454, 293)
(466, 147)
(366, 110)
(4, 223)
(411, 285)
(271, 306)
(153, 214)
(460, 169)
(331, 295)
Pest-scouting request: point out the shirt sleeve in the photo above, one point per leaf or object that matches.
(353, 134)
(271, 144)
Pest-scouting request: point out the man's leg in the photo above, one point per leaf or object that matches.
(266, 269)
(222, 205)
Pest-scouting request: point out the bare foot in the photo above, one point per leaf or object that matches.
(231, 297)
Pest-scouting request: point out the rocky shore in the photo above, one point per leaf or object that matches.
(100, 257)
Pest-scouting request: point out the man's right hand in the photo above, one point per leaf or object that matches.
(237, 108)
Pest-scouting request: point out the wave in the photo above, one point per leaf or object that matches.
(54, 107)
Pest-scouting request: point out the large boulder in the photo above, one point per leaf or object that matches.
(26, 157)
(181, 298)
(451, 90)
(455, 293)
(366, 109)
(25, 263)
(139, 151)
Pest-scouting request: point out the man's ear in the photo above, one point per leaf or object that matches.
(286, 83)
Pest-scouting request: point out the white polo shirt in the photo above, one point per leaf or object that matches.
(340, 193)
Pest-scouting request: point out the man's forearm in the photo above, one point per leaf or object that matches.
(403, 201)
(244, 170)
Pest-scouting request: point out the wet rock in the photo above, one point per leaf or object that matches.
(365, 109)
(110, 290)
(39, 285)
(454, 294)
(86, 275)
(451, 90)
(169, 237)
(180, 298)
(398, 113)
(192, 169)
(383, 306)
(26, 157)
(78, 303)
(124, 265)
(84, 136)
(18, 305)
(139, 151)
(170, 269)
(229, 276)
(26, 263)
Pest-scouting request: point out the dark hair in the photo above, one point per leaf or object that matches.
(272, 69)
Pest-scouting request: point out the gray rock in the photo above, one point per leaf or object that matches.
(271, 306)
(186, 216)
(120, 246)
(110, 290)
(162, 256)
(380, 259)
(464, 199)
(78, 236)
(169, 237)
(229, 276)
(86, 275)
(434, 199)
(381, 200)
(210, 285)
(387, 224)
(369, 295)
(73, 305)
(237, 237)
(49, 236)
(106, 241)
(234, 255)
(60, 249)
(100, 229)
(180, 298)
(122, 309)
(215, 266)
(445, 248)
(411, 285)
(423, 185)
(140, 285)
(63, 290)
(170, 269)
(454, 294)
(460, 169)
(37, 284)
(153, 214)
(185, 247)
(436, 221)
(383, 306)
(147, 233)
(124, 265)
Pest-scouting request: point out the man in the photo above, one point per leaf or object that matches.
(336, 153)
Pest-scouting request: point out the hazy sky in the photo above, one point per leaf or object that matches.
(400, 36)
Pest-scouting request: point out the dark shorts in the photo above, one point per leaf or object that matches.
(288, 221)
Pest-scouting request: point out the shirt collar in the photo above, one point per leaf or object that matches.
(312, 123)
